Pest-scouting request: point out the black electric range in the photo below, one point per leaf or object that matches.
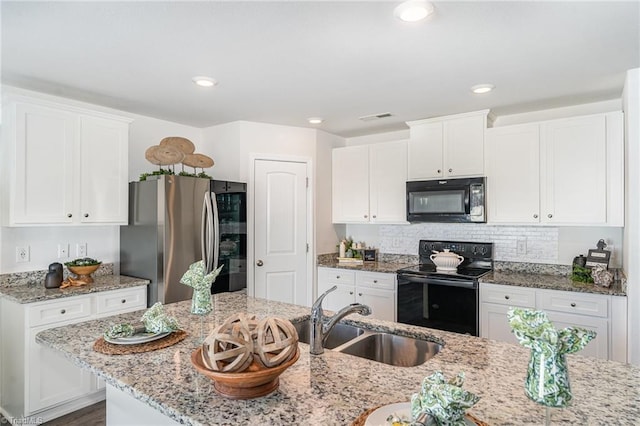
(445, 300)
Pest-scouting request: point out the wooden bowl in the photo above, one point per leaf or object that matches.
(83, 273)
(254, 382)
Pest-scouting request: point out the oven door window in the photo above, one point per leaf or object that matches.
(448, 202)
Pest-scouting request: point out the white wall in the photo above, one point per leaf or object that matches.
(631, 261)
(103, 242)
(326, 233)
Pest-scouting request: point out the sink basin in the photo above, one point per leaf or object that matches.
(392, 349)
(340, 334)
(374, 345)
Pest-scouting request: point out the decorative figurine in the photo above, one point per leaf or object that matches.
(547, 380)
(197, 278)
(53, 279)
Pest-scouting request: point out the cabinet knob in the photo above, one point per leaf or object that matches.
(450, 170)
(506, 296)
(375, 281)
(63, 311)
(86, 215)
(366, 216)
(359, 294)
(549, 215)
(374, 216)
(439, 171)
(350, 292)
(535, 216)
(573, 304)
(123, 301)
(337, 277)
(69, 215)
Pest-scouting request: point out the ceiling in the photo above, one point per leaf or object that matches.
(282, 62)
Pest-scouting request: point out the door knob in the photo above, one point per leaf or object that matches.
(259, 263)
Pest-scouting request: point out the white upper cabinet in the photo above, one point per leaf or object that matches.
(562, 172)
(513, 174)
(451, 146)
(369, 183)
(66, 165)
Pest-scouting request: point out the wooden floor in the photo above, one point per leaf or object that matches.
(93, 415)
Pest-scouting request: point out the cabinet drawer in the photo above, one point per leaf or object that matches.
(574, 303)
(58, 311)
(119, 301)
(336, 276)
(508, 295)
(376, 280)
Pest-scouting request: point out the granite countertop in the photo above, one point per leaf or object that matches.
(387, 267)
(551, 282)
(34, 291)
(335, 388)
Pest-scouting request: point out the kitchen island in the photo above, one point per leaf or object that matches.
(335, 388)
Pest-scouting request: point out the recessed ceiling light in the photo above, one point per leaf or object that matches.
(315, 120)
(482, 88)
(413, 10)
(203, 81)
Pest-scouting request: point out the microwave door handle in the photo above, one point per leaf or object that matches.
(216, 231)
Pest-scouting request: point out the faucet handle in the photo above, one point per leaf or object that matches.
(318, 303)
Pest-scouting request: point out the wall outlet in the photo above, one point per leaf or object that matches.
(63, 251)
(81, 249)
(22, 254)
(521, 247)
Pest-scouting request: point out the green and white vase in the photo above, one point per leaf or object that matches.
(547, 380)
(197, 278)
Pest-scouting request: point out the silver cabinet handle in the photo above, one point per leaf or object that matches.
(374, 216)
(549, 215)
(123, 301)
(359, 294)
(450, 170)
(366, 216)
(69, 215)
(63, 311)
(506, 296)
(573, 305)
(439, 171)
(86, 215)
(259, 263)
(337, 277)
(350, 292)
(535, 216)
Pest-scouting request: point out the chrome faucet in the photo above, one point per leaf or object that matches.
(320, 330)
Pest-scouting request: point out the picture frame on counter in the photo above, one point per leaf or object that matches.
(597, 257)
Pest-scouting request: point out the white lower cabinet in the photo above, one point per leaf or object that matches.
(38, 381)
(604, 314)
(374, 289)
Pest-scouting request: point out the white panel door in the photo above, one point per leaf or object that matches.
(280, 247)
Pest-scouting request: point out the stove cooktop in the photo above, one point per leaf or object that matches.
(430, 269)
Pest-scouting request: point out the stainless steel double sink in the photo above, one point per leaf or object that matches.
(377, 346)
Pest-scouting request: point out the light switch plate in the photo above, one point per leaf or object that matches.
(522, 246)
(81, 249)
(63, 251)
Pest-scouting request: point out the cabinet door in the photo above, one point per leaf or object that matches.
(513, 174)
(381, 302)
(387, 182)
(44, 166)
(574, 171)
(598, 347)
(350, 184)
(52, 378)
(494, 323)
(345, 293)
(464, 146)
(425, 151)
(103, 170)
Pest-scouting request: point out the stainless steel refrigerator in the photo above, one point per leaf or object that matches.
(175, 221)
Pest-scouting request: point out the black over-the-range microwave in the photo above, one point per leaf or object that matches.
(446, 200)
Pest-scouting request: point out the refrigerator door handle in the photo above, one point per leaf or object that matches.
(203, 231)
(216, 231)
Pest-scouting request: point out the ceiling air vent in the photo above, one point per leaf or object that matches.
(375, 116)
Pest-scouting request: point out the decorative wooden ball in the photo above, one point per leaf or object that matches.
(228, 349)
(248, 322)
(277, 341)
